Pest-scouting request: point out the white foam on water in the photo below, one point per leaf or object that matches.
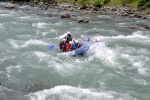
(41, 55)
(138, 62)
(141, 21)
(34, 42)
(102, 30)
(59, 23)
(39, 25)
(53, 31)
(43, 33)
(1, 27)
(122, 24)
(24, 6)
(77, 28)
(104, 16)
(63, 67)
(140, 68)
(61, 36)
(1, 72)
(67, 54)
(140, 81)
(20, 44)
(69, 93)
(13, 69)
(25, 17)
(5, 15)
(24, 36)
(14, 44)
(101, 51)
(136, 35)
(65, 92)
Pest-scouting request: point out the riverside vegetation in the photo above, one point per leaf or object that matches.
(141, 4)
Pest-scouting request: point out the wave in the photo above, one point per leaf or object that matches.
(20, 44)
(39, 25)
(65, 92)
(101, 51)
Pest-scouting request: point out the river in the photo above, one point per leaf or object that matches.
(115, 68)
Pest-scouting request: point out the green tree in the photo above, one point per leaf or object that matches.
(106, 2)
(83, 2)
(98, 3)
(144, 4)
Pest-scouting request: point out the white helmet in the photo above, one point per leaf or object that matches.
(76, 41)
(98, 40)
(63, 39)
(71, 42)
(82, 36)
(68, 32)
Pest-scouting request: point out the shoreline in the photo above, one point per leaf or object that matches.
(125, 11)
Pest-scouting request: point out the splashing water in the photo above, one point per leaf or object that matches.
(114, 68)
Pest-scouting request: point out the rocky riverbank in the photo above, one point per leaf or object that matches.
(112, 10)
(128, 12)
(121, 11)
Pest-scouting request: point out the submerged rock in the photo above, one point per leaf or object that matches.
(33, 87)
(10, 6)
(82, 21)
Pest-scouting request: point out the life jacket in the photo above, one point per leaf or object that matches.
(74, 46)
(67, 47)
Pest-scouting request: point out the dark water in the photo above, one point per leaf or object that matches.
(115, 68)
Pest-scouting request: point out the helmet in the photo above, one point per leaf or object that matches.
(71, 42)
(82, 36)
(98, 40)
(63, 39)
(76, 41)
(68, 32)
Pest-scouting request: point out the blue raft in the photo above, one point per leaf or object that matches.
(82, 50)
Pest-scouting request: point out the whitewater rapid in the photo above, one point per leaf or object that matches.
(115, 68)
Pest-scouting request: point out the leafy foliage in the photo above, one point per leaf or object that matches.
(97, 3)
(83, 2)
(144, 4)
(106, 2)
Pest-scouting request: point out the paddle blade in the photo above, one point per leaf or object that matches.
(51, 47)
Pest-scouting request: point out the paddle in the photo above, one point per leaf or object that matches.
(51, 46)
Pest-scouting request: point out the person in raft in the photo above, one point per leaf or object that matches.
(67, 46)
(62, 45)
(68, 37)
(75, 45)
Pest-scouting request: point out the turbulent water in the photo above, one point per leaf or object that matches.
(115, 68)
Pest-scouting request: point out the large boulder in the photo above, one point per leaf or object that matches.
(65, 16)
